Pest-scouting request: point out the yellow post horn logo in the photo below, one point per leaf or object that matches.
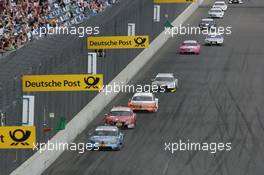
(95, 81)
(140, 41)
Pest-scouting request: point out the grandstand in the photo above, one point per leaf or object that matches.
(22, 20)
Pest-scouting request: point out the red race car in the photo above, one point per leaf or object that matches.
(190, 46)
(121, 116)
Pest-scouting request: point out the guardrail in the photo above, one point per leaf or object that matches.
(39, 162)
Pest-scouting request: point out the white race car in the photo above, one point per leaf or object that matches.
(216, 13)
(220, 4)
(214, 39)
(235, 2)
(207, 23)
(165, 81)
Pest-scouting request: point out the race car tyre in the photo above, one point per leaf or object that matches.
(173, 90)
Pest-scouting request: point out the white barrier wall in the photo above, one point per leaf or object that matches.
(39, 162)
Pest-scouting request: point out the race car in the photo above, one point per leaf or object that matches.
(207, 23)
(165, 81)
(220, 4)
(144, 102)
(235, 2)
(106, 137)
(190, 46)
(214, 39)
(216, 13)
(121, 116)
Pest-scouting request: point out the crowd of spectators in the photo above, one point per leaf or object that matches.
(21, 19)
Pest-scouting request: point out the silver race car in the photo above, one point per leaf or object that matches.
(165, 81)
(214, 39)
(108, 137)
(207, 23)
(216, 13)
(220, 4)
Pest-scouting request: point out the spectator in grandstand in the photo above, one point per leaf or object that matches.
(2, 5)
(61, 3)
(2, 51)
(1, 29)
(8, 45)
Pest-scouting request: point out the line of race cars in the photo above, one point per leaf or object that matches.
(213, 38)
(109, 135)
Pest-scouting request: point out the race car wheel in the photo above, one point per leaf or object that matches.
(117, 149)
(173, 90)
(131, 126)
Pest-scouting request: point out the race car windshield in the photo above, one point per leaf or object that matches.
(214, 36)
(190, 44)
(120, 113)
(142, 98)
(164, 79)
(105, 133)
(206, 20)
(218, 11)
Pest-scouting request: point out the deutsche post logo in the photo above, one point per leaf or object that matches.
(92, 82)
(140, 41)
(74, 82)
(17, 137)
(118, 42)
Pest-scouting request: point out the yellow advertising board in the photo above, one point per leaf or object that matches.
(173, 1)
(118, 42)
(17, 137)
(74, 82)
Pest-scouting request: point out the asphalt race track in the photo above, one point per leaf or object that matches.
(220, 100)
